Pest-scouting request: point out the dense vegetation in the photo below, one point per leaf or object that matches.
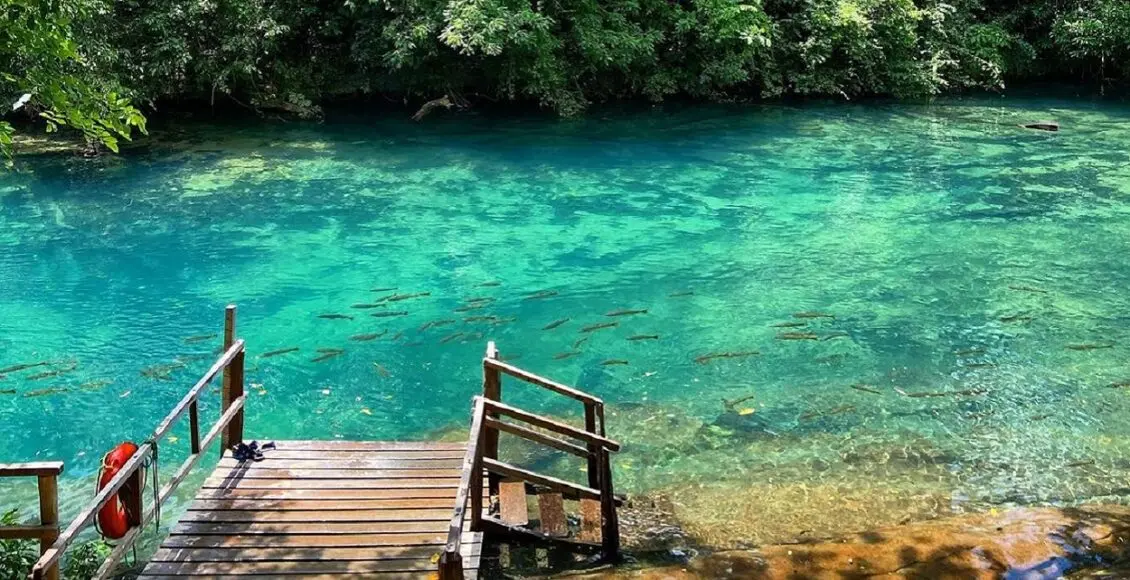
(81, 63)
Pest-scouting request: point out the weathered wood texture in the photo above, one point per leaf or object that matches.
(332, 509)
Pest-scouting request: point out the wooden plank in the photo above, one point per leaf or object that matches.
(313, 540)
(547, 423)
(342, 445)
(292, 474)
(306, 528)
(31, 469)
(540, 381)
(530, 434)
(271, 462)
(590, 520)
(27, 532)
(445, 493)
(285, 483)
(565, 487)
(327, 505)
(323, 455)
(512, 502)
(49, 515)
(288, 568)
(467, 484)
(290, 554)
(319, 516)
(551, 515)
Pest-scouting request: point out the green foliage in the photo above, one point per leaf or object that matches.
(83, 560)
(44, 67)
(83, 62)
(16, 556)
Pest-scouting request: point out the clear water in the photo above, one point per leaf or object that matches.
(924, 230)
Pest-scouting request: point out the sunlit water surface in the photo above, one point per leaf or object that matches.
(973, 275)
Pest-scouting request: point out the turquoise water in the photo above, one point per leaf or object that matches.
(959, 255)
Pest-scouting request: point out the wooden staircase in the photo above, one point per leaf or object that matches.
(510, 487)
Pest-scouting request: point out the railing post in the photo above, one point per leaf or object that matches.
(476, 487)
(49, 516)
(594, 450)
(194, 427)
(232, 384)
(492, 391)
(609, 522)
(131, 497)
(450, 566)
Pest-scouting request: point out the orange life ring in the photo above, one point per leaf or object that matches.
(113, 520)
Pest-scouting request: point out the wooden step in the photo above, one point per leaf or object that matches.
(513, 507)
(551, 513)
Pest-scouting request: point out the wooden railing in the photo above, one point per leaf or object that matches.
(482, 455)
(47, 473)
(229, 426)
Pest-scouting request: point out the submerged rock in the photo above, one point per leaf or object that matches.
(1021, 543)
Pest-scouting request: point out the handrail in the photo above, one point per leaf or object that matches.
(451, 561)
(550, 424)
(231, 363)
(46, 474)
(540, 381)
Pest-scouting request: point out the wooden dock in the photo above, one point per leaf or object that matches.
(336, 509)
(323, 508)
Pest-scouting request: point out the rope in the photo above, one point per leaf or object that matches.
(154, 466)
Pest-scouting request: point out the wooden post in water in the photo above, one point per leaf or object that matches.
(609, 521)
(232, 384)
(594, 450)
(492, 391)
(49, 516)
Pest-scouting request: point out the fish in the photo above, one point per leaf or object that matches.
(711, 356)
(728, 404)
(1083, 463)
(383, 289)
(981, 365)
(367, 337)
(565, 355)
(22, 367)
(1120, 385)
(388, 314)
(397, 336)
(866, 389)
(1028, 289)
(829, 413)
(200, 338)
(797, 336)
(327, 356)
(450, 337)
(42, 392)
(644, 337)
(941, 393)
(424, 326)
(7, 391)
(681, 294)
(555, 324)
(331, 349)
(969, 352)
(470, 307)
(813, 314)
(580, 341)
(540, 294)
(627, 312)
(272, 353)
(480, 300)
(335, 317)
(1089, 346)
(380, 369)
(593, 327)
(444, 322)
(54, 373)
(491, 284)
(480, 318)
(1039, 417)
(613, 362)
(1023, 316)
(795, 324)
(834, 335)
(499, 321)
(368, 305)
(94, 385)
(399, 297)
